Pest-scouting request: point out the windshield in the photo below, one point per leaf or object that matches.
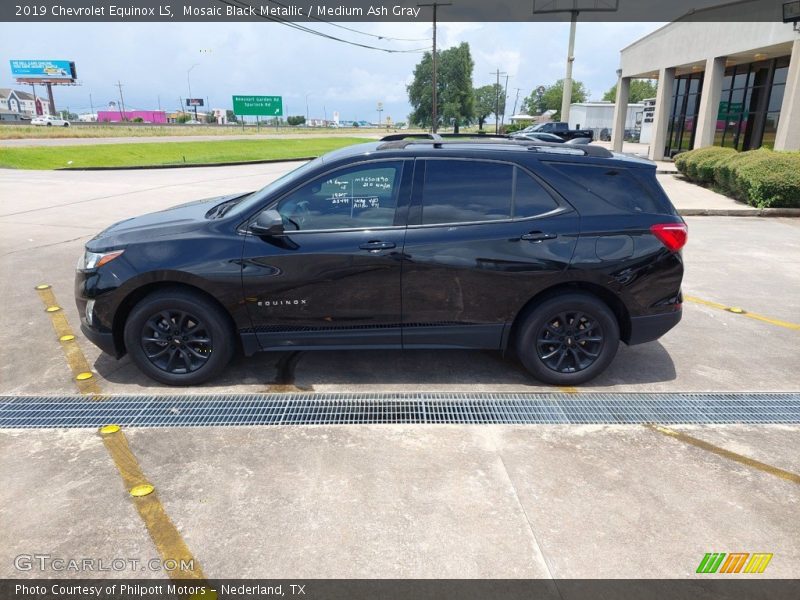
(252, 201)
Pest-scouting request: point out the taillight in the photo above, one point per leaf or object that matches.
(672, 235)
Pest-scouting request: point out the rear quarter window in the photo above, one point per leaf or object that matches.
(616, 186)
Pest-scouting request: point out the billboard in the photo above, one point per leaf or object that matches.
(194, 102)
(44, 70)
(265, 106)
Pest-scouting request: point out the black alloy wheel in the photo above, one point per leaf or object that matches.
(176, 341)
(179, 337)
(570, 341)
(567, 339)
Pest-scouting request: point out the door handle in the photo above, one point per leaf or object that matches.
(376, 245)
(538, 236)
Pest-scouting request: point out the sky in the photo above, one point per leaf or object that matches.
(151, 61)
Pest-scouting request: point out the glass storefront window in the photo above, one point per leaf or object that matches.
(750, 104)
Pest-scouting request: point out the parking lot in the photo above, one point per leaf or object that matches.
(588, 500)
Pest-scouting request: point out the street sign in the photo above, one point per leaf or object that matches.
(264, 106)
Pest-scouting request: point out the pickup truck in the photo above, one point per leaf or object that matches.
(560, 129)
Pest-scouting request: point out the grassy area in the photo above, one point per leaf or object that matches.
(18, 132)
(172, 153)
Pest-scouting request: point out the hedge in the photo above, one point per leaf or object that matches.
(762, 178)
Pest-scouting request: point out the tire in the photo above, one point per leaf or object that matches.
(66, 124)
(179, 337)
(49, 124)
(573, 354)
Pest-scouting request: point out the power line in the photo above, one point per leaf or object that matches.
(240, 4)
(380, 37)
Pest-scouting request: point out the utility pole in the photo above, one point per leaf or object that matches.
(513, 112)
(91, 104)
(566, 98)
(497, 102)
(121, 101)
(434, 116)
(505, 101)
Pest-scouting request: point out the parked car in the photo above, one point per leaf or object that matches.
(562, 130)
(553, 252)
(539, 136)
(49, 121)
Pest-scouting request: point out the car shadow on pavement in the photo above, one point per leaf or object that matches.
(409, 370)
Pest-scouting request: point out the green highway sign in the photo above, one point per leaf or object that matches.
(264, 106)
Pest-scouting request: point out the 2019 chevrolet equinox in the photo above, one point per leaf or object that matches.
(554, 252)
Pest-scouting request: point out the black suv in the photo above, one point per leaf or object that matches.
(555, 253)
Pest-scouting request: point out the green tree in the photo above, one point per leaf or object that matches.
(486, 100)
(544, 98)
(640, 90)
(211, 118)
(296, 120)
(454, 94)
(230, 116)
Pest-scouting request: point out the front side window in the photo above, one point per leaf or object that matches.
(363, 196)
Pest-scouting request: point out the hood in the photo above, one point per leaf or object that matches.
(169, 222)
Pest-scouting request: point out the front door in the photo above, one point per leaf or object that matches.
(333, 278)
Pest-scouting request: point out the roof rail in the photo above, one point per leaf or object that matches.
(405, 140)
(396, 137)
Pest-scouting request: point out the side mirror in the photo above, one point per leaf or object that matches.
(269, 222)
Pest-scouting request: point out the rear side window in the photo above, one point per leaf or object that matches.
(530, 198)
(614, 185)
(463, 191)
(469, 191)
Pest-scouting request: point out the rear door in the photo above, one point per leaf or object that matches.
(484, 236)
(333, 278)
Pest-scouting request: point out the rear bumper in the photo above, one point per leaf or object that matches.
(652, 327)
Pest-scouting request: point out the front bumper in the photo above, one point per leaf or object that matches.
(101, 339)
(651, 327)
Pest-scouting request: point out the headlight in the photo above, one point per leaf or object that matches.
(94, 260)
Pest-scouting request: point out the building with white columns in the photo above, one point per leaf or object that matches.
(724, 84)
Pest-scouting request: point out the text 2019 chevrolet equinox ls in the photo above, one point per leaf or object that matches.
(554, 252)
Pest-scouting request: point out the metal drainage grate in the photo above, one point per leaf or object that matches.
(364, 408)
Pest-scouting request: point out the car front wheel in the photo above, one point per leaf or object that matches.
(178, 337)
(568, 339)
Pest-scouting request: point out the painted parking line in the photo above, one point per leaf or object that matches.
(745, 313)
(739, 458)
(82, 374)
(167, 539)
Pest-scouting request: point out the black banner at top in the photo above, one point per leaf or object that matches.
(389, 10)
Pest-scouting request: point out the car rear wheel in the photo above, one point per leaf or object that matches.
(568, 339)
(49, 124)
(179, 337)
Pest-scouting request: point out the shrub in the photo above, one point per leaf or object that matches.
(767, 179)
(762, 178)
(700, 165)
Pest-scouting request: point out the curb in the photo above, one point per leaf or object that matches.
(739, 212)
(188, 165)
